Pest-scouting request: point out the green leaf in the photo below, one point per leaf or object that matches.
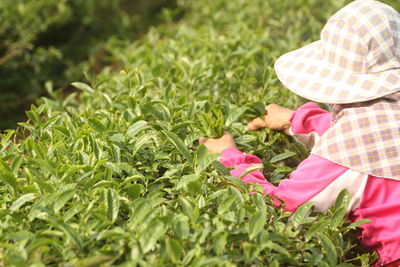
(185, 180)
(63, 198)
(301, 213)
(112, 205)
(316, 227)
(174, 249)
(204, 159)
(220, 168)
(113, 234)
(260, 107)
(256, 223)
(71, 233)
(188, 208)
(135, 128)
(135, 190)
(21, 201)
(83, 87)
(245, 139)
(97, 260)
(282, 157)
(182, 229)
(234, 115)
(338, 217)
(9, 178)
(63, 130)
(251, 169)
(219, 242)
(139, 143)
(72, 211)
(140, 209)
(39, 242)
(96, 124)
(277, 248)
(226, 204)
(329, 248)
(358, 223)
(251, 251)
(343, 199)
(16, 163)
(114, 167)
(153, 232)
(260, 202)
(345, 264)
(178, 143)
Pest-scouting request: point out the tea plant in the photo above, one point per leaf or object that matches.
(114, 175)
(44, 40)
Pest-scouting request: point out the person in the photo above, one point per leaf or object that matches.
(355, 69)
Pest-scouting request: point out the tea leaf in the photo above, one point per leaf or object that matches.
(256, 223)
(301, 213)
(178, 143)
(9, 178)
(83, 86)
(282, 156)
(71, 233)
(112, 205)
(251, 169)
(135, 128)
(174, 249)
(154, 231)
(343, 199)
(316, 228)
(63, 198)
(329, 248)
(338, 217)
(234, 115)
(359, 223)
(21, 201)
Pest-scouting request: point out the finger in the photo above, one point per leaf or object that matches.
(226, 134)
(271, 108)
(202, 140)
(255, 124)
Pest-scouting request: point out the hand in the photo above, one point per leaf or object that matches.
(277, 118)
(219, 144)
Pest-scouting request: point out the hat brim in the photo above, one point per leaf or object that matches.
(306, 73)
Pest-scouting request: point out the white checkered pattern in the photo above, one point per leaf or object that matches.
(357, 58)
(366, 139)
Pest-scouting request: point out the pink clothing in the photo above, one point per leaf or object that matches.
(319, 181)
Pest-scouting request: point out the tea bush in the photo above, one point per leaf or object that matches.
(43, 40)
(115, 175)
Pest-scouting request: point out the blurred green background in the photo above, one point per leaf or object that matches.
(60, 41)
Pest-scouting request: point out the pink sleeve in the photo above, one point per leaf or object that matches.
(310, 118)
(308, 123)
(310, 177)
(233, 157)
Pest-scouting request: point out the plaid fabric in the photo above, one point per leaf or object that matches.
(356, 59)
(366, 139)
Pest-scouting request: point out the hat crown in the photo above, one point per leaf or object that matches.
(363, 37)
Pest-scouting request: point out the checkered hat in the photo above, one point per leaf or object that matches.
(365, 138)
(357, 58)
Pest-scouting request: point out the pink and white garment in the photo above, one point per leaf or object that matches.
(318, 180)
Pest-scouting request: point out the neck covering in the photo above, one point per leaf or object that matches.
(365, 137)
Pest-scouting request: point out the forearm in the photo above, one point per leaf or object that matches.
(311, 177)
(308, 123)
(241, 162)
